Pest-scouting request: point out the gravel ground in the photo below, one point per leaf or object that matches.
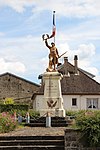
(36, 131)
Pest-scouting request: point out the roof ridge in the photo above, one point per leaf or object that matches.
(8, 73)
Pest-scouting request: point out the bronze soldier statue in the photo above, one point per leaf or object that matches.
(53, 56)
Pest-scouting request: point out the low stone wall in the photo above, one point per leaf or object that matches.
(72, 141)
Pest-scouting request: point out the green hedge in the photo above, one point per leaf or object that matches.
(12, 107)
(75, 113)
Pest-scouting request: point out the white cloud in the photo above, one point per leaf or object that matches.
(74, 8)
(80, 31)
(86, 53)
(22, 55)
(2, 34)
(18, 5)
(63, 7)
(63, 47)
(29, 55)
(20, 45)
(16, 67)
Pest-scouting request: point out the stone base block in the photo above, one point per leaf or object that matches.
(53, 112)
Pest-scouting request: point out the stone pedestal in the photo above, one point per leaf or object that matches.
(53, 101)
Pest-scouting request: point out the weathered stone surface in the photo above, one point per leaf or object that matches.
(19, 89)
(52, 101)
(72, 141)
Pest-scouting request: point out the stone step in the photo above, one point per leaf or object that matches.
(60, 124)
(31, 147)
(44, 121)
(32, 142)
(31, 138)
(52, 118)
(41, 122)
(44, 124)
(35, 124)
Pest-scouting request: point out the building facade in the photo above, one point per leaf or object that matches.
(17, 88)
(79, 90)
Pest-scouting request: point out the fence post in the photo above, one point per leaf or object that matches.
(48, 120)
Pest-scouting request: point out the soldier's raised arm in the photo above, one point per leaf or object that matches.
(46, 43)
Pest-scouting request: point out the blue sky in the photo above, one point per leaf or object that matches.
(23, 22)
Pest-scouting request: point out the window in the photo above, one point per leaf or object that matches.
(74, 101)
(92, 103)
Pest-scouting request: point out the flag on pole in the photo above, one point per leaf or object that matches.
(54, 27)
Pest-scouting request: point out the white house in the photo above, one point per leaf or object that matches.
(79, 90)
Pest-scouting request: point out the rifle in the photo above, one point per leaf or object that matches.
(62, 54)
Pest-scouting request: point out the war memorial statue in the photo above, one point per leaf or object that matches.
(53, 56)
(53, 100)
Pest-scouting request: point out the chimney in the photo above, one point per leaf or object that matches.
(65, 60)
(66, 66)
(76, 64)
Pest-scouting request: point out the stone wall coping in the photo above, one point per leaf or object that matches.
(72, 130)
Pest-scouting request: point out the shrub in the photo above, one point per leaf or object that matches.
(7, 122)
(70, 113)
(9, 101)
(89, 124)
(74, 113)
(34, 114)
